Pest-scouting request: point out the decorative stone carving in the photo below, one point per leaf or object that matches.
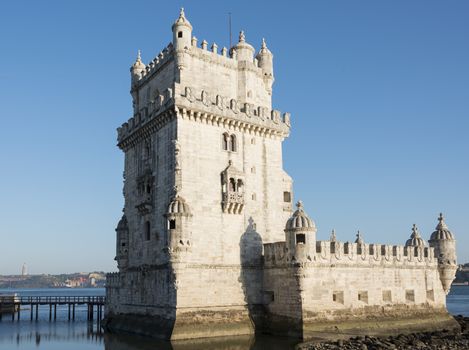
(232, 190)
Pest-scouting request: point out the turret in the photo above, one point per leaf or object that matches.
(178, 217)
(415, 239)
(265, 60)
(182, 36)
(137, 68)
(182, 32)
(244, 51)
(442, 240)
(300, 235)
(122, 244)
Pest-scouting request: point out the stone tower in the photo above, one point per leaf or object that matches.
(204, 188)
(445, 251)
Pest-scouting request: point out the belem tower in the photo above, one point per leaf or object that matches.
(210, 244)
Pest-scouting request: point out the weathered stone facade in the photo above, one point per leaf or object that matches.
(203, 249)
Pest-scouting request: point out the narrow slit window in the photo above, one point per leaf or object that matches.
(147, 230)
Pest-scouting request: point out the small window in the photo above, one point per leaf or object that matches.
(410, 296)
(172, 224)
(371, 249)
(147, 230)
(383, 250)
(359, 249)
(394, 251)
(338, 297)
(179, 34)
(253, 141)
(387, 296)
(332, 247)
(300, 238)
(287, 197)
(425, 252)
(253, 196)
(363, 296)
(123, 244)
(416, 251)
(430, 295)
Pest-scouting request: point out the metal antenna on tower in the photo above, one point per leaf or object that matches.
(229, 20)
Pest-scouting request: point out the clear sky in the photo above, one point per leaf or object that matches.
(378, 92)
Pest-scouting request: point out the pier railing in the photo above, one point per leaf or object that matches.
(12, 304)
(43, 300)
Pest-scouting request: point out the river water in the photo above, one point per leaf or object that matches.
(80, 334)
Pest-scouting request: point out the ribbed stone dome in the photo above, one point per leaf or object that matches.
(122, 225)
(441, 231)
(415, 240)
(178, 206)
(182, 20)
(300, 220)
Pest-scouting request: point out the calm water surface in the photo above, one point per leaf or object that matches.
(62, 334)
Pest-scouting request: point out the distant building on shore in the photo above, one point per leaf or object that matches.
(24, 270)
(210, 244)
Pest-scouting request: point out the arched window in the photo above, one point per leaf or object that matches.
(232, 185)
(233, 143)
(240, 186)
(225, 141)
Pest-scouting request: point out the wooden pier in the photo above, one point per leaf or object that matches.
(95, 306)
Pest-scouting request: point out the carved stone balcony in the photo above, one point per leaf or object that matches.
(233, 202)
(145, 204)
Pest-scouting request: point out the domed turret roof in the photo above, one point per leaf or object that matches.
(178, 205)
(182, 20)
(242, 44)
(415, 240)
(264, 50)
(441, 231)
(122, 225)
(300, 220)
(138, 65)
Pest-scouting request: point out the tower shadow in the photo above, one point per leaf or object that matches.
(251, 259)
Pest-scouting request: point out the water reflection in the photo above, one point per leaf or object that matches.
(80, 335)
(260, 342)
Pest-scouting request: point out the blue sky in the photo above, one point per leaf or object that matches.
(378, 92)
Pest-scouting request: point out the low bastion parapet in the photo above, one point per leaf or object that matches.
(351, 254)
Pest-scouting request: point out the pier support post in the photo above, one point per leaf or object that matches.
(69, 311)
(50, 312)
(37, 311)
(32, 311)
(55, 312)
(73, 312)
